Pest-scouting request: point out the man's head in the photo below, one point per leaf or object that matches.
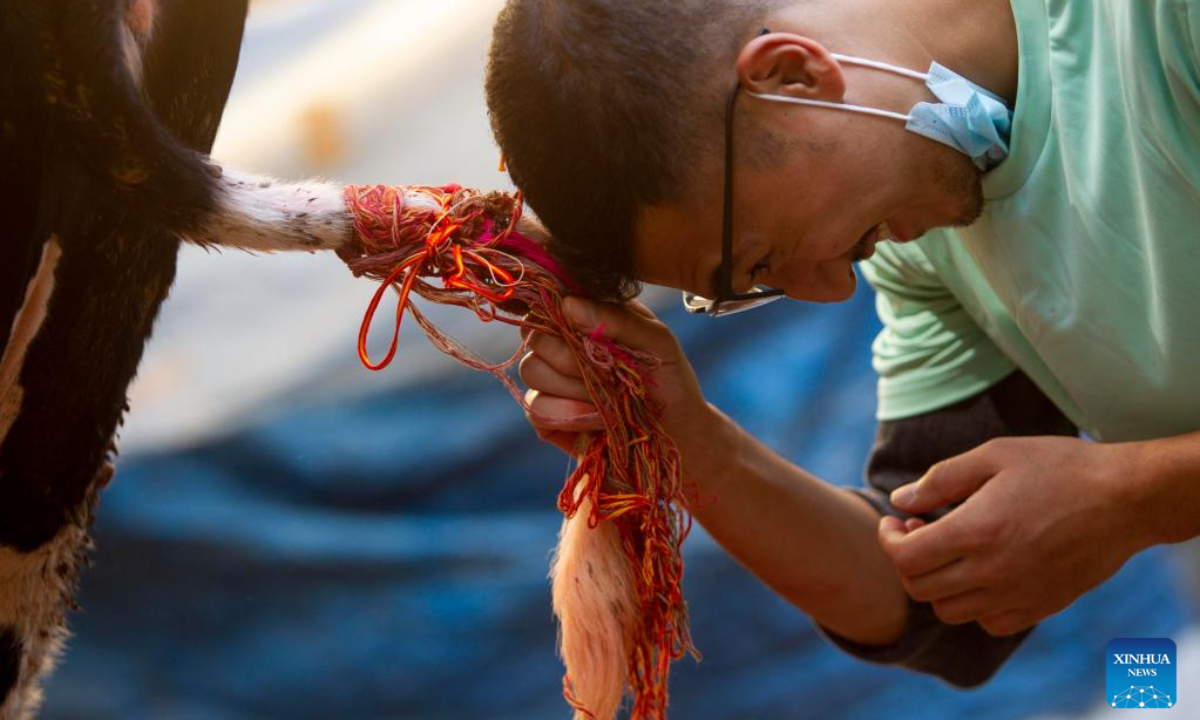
(611, 115)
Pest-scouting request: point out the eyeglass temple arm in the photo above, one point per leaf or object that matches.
(726, 275)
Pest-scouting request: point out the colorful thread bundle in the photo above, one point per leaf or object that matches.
(617, 570)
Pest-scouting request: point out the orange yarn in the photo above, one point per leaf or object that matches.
(468, 244)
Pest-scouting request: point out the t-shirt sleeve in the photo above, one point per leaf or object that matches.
(930, 353)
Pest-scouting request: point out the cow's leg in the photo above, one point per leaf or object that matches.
(103, 177)
(35, 583)
(36, 591)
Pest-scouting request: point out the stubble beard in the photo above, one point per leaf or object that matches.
(955, 176)
(958, 177)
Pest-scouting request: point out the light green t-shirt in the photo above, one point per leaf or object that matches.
(1084, 270)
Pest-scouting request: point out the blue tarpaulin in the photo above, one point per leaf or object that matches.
(385, 556)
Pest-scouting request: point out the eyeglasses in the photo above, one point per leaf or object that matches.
(727, 301)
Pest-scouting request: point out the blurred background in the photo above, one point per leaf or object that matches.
(292, 536)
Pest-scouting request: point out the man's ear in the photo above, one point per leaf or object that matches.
(781, 63)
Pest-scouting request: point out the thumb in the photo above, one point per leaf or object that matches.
(633, 326)
(947, 482)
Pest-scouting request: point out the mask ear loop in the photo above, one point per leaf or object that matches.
(851, 60)
(833, 106)
(874, 64)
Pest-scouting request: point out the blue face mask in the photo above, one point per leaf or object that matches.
(969, 119)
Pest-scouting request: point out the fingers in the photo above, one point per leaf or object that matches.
(919, 551)
(1008, 622)
(568, 442)
(547, 412)
(565, 440)
(953, 579)
(642, 309)
(540, 375)
(984, 607)
(947, 482)
(558, 404)
(631, 324)
(956, 595)
(891, 529)
(559, 421)
(555, 352)
(552, 370)
(963, 608)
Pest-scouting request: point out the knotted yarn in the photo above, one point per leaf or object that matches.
(618, 569)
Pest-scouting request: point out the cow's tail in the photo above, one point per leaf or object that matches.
(112, 128)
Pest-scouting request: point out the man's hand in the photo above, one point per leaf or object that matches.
(814, 543)
(1044, 521)
(557, 393)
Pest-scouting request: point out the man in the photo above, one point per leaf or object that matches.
(1052, 287)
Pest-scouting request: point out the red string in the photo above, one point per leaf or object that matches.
(631, 472)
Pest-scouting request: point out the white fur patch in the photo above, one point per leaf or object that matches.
(35, 589)
(25, 328)
(136, 31)
(132, 52)
(261, 213)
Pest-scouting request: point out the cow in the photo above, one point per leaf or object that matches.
(108, 110)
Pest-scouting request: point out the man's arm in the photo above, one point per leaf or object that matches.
(1039, 521)
(1169, 487)
(814, 543)
(904, 450)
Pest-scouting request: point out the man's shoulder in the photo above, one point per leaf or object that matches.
(1138, 45)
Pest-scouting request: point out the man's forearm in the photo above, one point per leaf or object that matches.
(1166, 481)
(813, 543)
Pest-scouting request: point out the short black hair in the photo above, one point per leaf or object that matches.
(603, 107)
